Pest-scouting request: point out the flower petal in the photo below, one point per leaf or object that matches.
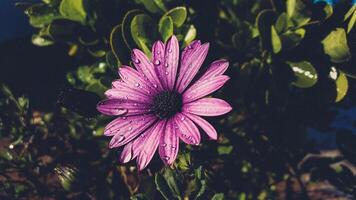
(158, 53)
(134, 80)
(171, 61)
(147, 144)
(122, 107)
(124, 123)
(186, 129)
(205, 125)
(169, 143)
(126, 154)
(129, 132)
(192, 65)
(145, 66)
(121, 91)
(207, 107)
(187, 52)
(216, 68)
(203, 88)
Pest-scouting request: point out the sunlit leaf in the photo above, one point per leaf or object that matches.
(342, 86)
(305, 73)
(165, 27)
(276, 41)
(141, 31)
(178, 15)
(75, 10)
(190, 35)
(218, 196)
(335, 46)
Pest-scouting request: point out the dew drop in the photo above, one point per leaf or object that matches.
(169, 50)
(166, 158)
(124, 118)
(137, 84)
(155, 85)
(166, 65)
(167, 73)
(182, 118)
(120, 138)
(190, 47)
(137, 61)
(163, 145)
(158, 52)
(130, 128)
(157, 62)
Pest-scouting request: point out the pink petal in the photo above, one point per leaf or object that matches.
(192, 65)
(147, 144)
(169, 143)
(145, 66)
(205, 125)
(134, 80)
(216, 68)
(121, 107)
(158, 53)
(126, 154)
(171, 61)
(121, 124)
(186, 129)
(187, 52)
(207, 107)
(203, 88)
(121, 91)
(128, 132)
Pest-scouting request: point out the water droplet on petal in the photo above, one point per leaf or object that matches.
(163, 145)
(155, 85)
(190, 47)
(158, 52)
(166, 158)
(124, 118)
(137, 61)
(169, 50)
(167, 73)
(120, 138)
(166, 65)
(182, 118)
(157, 62)
(137, 84)
(130, 128)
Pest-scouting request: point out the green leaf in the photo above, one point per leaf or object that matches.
(171, 181)
(165, 27)
(41, 40)
(342, 86)
(75, 10)
(281, 23)
(151, 6)
(276, 41)
(190, 35)
(41, 15)
(141, 31)
(291, 4)
(265, 19)
(162, 187)
(350, 12)
(291, 39)
(218, 196)
(225, 150)
(351, 22)
(126, 27)
(335, 46)
(305, 73)
(178, 14)
(118, 46)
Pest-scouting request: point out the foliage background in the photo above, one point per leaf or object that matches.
(290, 135)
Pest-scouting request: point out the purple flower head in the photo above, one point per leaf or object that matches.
(158, 104)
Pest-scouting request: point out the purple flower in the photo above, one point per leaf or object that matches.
(158, 104)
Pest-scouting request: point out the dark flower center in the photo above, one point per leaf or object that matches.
(166, 104)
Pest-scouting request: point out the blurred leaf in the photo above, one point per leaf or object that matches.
(351, 12)
(297, 12)
(141, 31)
(126, 28)
(218, 196)
(165, 27)
(265, 19)
(75, 10)
(139, 197)
(151, 5)
(184, 161)
(225, 150)
(335, 46)
(291, 39)
(291, 5)
(306, 75)
(41, 15)
(276, 41)
(342, 86)
(162, 187)
(67, 176)
(190, 35)
(41, 41)
(282, 23)
(118, 46)
(178, 15)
